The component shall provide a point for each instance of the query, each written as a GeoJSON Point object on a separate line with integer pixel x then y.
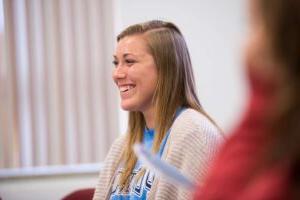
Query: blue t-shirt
{"type": "Point", "coordinates": [138, 189]}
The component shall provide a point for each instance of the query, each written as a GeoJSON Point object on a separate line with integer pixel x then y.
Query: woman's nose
{"type": "Point", "coordinates": [119, 73]}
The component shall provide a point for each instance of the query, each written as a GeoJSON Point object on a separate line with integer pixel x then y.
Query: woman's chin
{"type": "Point", "coordinates": [127, 107]}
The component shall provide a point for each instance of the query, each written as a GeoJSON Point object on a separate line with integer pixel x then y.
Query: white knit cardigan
{"type": "Point", "coordinates": [192, 143]}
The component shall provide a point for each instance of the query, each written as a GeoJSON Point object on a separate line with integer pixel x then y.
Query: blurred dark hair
{"type": "Point", "coordinates": [282, 22]}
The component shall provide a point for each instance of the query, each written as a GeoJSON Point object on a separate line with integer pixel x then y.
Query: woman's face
{"type": "Point", "coordinates": [135, 73]}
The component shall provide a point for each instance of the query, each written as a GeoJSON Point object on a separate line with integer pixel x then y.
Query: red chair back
{"type": "Point", "coordinates": [82, 194]}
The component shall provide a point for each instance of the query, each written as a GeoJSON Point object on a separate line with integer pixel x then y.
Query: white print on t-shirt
{"type": "Point", "coordinates": [136, 187]}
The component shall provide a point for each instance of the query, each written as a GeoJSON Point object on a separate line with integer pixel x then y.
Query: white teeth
{"type": "Point", "coordinates": [125, 88]}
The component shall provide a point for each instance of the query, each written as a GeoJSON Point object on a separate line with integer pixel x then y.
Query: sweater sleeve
{"type": "Point", "coordinates": [192, 144]}
{"type": "Point", "coordinates": [108, 169]}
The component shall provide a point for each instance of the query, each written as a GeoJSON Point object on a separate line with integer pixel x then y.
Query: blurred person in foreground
{"type": "Point", "coordinates": [261, 160]}
{"type": "Point", "coordinates": [154, 75]}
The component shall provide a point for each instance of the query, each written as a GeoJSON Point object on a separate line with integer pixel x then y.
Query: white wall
{"type": "Point", "coordinates": [44, 187]}
{"type": "Point", "coordinates": [214, 32]}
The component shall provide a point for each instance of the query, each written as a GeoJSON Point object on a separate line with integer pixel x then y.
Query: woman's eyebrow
{"type": "Point", "coordinates": [126, 55]}
{"type": "Point", "coordinates": [129, 54]}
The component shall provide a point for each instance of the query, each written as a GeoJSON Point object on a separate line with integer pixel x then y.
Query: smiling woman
{"type": "Point", "coordinates": [154, 75]}
{"type": "Point", "coordinates": [135, 75]}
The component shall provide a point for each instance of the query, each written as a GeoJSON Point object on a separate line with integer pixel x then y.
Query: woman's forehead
{"type": "Point", "coordinates": [135, 44]}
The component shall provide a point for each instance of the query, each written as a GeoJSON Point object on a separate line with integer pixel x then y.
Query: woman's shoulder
{"type": "Point", "coordinates": [119, 140]}
{"type": "Point", "coordinates": [193, 122]}
{"type": "Point", "coordinates": [192, 143]}
{"type": "Point", "coordinates": [116, 149]}
{"type": "Point", "coordinates": [113, 156]}
{"type": "Point", "coordinates": [118, 143]}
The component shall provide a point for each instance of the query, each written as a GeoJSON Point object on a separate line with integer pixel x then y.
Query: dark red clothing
{"type": "Point", "coordinates": [234, 174]}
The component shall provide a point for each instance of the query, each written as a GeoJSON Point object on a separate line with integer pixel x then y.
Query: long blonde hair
{"type": "Point", "coordinates": [175, 86]}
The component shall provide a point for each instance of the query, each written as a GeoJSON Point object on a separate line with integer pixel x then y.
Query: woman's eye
{"type": "Point", "coordinates": [115, 63]}
{"type": "Point", "coordinates": [129, 61]}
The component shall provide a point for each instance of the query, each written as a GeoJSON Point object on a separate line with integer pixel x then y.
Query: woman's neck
{"type": "Point", "coordinates": [149, 117]}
